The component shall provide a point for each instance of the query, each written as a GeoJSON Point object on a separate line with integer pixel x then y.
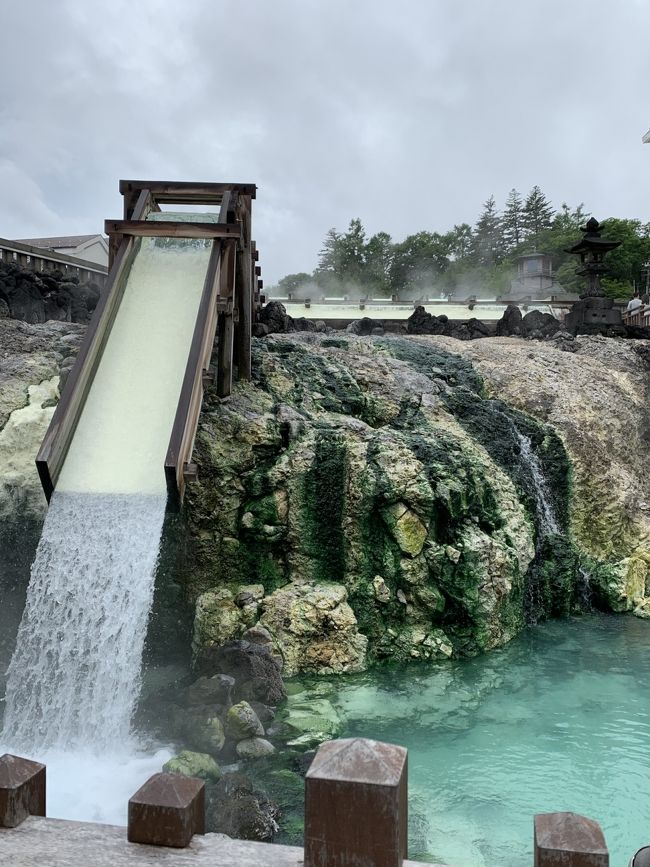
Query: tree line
{"type": "Point", "coordinates": [473, 258]}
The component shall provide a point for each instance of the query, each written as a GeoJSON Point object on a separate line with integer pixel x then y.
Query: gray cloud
{"type": "Point", "coordinates": [407, 114]}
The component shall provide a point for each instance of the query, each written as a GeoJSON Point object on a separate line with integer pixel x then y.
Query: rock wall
{"type": "Point", "coordinates": [366, 499]}
{"type": "Point", "coordinates": [44, 297]}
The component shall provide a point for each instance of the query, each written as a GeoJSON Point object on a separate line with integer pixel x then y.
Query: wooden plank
{"type": "Point", "coordinates": [186, 192]}
{"type": "Point", "coordinates": [171, 229]}
{"type": "Point", "coordinates": [244, 295]}
{"type": "Point", "coordinates": [183, 431]}
{"type": "Point", "coordinates": [56, 443]}
{"type": "Point", "coordinates": [225, 326]}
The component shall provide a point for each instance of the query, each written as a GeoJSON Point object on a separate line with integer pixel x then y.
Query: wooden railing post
{"type": "Point", "coordinates": [569, 840]}
{"type": "Point", "coordinates": [167, 811]}
{"type": "Point", "coordinates": [22, 790]}
{"type": "Point", "coordinates": [356, 805]}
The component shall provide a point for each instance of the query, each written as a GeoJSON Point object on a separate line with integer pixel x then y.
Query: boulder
{"type": "Point", "coordinates": [203, 731]}
{"type": "Point", "coordinates": [242, 722]}
{"type": "Point", "coordinates": [192, 764]}
{"type": "Point", "coordinates": [254, 748]}
{"type": "Point", "coordinates": [234, 808]}
{"type": "Point", "coordinates": [539, 324]}
{"type": "Point", "coordinates": [217, 618]}
{"type": "Point", "coordinates": [215, 690]}
{"type": "Point", "coordinates": [257, 674]}
{"type": "Point", "coordinates": [275, 318]}
{"type": "Point", "coordinates": [315, 628]}
{"type": "Point", "coordinates": [365, 326]}
{"type": "Point", "coordinates": [422, 322]}
{"type": "Point", "coordinates": [510, 324]}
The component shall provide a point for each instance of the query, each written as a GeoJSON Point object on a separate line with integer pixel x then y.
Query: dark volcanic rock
{"type": "Point", "coordinates": [273, 319]}
{"type": "Point", "coordinates": [256, 672]}
{"type": "Point", "coordinates": [539, 324]}
{"type": "Point", "coordinates": [236, 809]}
{"type": "Point", "coordinates": [510, 324]}
{"type": "Point", "coordinates": [364, 327]}
{"type": "Point", "coordinates": [422, 322]}
{"type": "Point", "coordinates": [38, 298]}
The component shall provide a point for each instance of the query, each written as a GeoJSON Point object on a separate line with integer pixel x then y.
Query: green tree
{"type": "Point", "coordinates": [293, 282]}
{"type": "Point", "coordinates": [537, 214]}
{"type": "Point", "coordinates": [512, 222]}
{"type": "Point", "coordinates": [487, 239]}
{"type": "Point", "coordinates": [460, 241]}
{"type": "Point", "coordinates": [379, 256]}
{"type": "Point", "coordinates": [329, 258]}
{"type": "Point", "coordinates": [419, 261]}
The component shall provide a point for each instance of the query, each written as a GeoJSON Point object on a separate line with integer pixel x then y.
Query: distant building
{"type": "Point", "coordinates": [92, 248]}
{"type": "Point", "coordinates": [534, 277]}
{"type": "Point", "coordinates": [646, 138]}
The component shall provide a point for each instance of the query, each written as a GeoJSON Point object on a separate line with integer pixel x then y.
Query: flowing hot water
{"type": "Point", "coordinates": [74, 677]}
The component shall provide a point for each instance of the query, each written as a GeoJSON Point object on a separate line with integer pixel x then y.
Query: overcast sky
{"type": "Point", "coordinates": [407, 114]}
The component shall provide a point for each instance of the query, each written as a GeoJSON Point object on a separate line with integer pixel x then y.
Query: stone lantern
{"type": "Point", "coordinates": [594, 313]}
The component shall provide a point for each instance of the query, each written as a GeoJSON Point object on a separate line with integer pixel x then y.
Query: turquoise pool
{"type": "Point", "coordinates": [557, 720]}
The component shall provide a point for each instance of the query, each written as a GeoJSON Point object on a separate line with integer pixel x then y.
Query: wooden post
{"type": "Point", "coordinates": [22, 790]}
{"type": "Point", "coordinates": [569, 840]}
{"type": "Point", "coordinates": [356, 805]}
{"type": "Point", "coordinates": [167, 811]}
{"type": "Point", "coordinates": [245, 295]}
{"type": "Point", "coordinates": [225, 324]}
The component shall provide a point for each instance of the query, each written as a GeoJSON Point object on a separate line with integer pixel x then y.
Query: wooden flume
{"type": "Point", "coordinates": [230, 299]}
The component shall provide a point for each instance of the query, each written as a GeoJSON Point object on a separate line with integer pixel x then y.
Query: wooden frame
{"type": "Point", "coordinates": [228, 305]}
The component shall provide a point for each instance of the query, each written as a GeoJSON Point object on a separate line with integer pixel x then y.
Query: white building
{"type": "Point", "coordinates": [92, 248]}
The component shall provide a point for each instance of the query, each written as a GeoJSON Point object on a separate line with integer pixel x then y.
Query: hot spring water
{"type": "Point", "coordinates": [74, 677]}
{"type": "Point", "coordinates": [559, 719]}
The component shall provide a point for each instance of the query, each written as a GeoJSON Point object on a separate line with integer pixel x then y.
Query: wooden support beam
{"type": "Point", "coordinates": [22, 790]}
{"type": "Point", "coordinates": [181, 441]}
{"type": "Point", "coordinates": [225, 324]}
{"type": "Point", "coordinates": [171, 229]}
{"type": "Point", "coordinates": [244, 293]}
{"type": "Point", "coordinates": [356, 805]}
{"type": "Point", "coordinates": [186, 192]}
{"type": "Point", "coordinates": [258, 271]}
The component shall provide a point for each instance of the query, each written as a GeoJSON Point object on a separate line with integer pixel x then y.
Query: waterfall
{"type": "Point", "coordinates": [546, 520]}
{"type": "Point", "coordinates": [74, 678]}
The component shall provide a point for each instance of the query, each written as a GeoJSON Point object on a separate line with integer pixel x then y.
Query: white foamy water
{"type": "Point", "coordinates": [122, 437]}
{"type": "Point", "coordinates": [74, 678]}
{"type": "Point", "coordinates": [547, 521]}
{"type": "Point", "coordinates": [75, 674]}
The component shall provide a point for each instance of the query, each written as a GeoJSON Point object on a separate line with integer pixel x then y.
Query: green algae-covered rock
{"type": "Point", "coordinates": [203, 731]}
{"type": "Point", "coordinates": [376, 491]}
{"type": "Point", "coordinates": [254, 748]}
{"type": "Point", "coordinates": [242, 722]}
{"type": "Point", "coordinates": [194, 765]}
{"type": "Point", "coordinates": [315, 628]}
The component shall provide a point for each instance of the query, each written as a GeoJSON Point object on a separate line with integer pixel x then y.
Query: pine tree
{"type": "Point", "coordinates": [330, 255]}
{"type": "Point", "coordinates": [537, 213]}
{"type": "Point", "coordinates": [488, 242]}
{"type": "Point", "coordinates": [511, 223]}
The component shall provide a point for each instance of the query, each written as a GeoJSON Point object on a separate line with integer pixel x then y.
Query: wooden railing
{"type": "Point", "coordinates": [43, 261]}
{"type": "Point", "coordinates": [640, 316]}
{"type": "Point", "coordinates": [227, 308]}
{"type": "Point", "coordinates": [356, 813]}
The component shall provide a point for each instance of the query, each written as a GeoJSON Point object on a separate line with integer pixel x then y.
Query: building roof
{"type": "Point", "coordinates": [56, 243]}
